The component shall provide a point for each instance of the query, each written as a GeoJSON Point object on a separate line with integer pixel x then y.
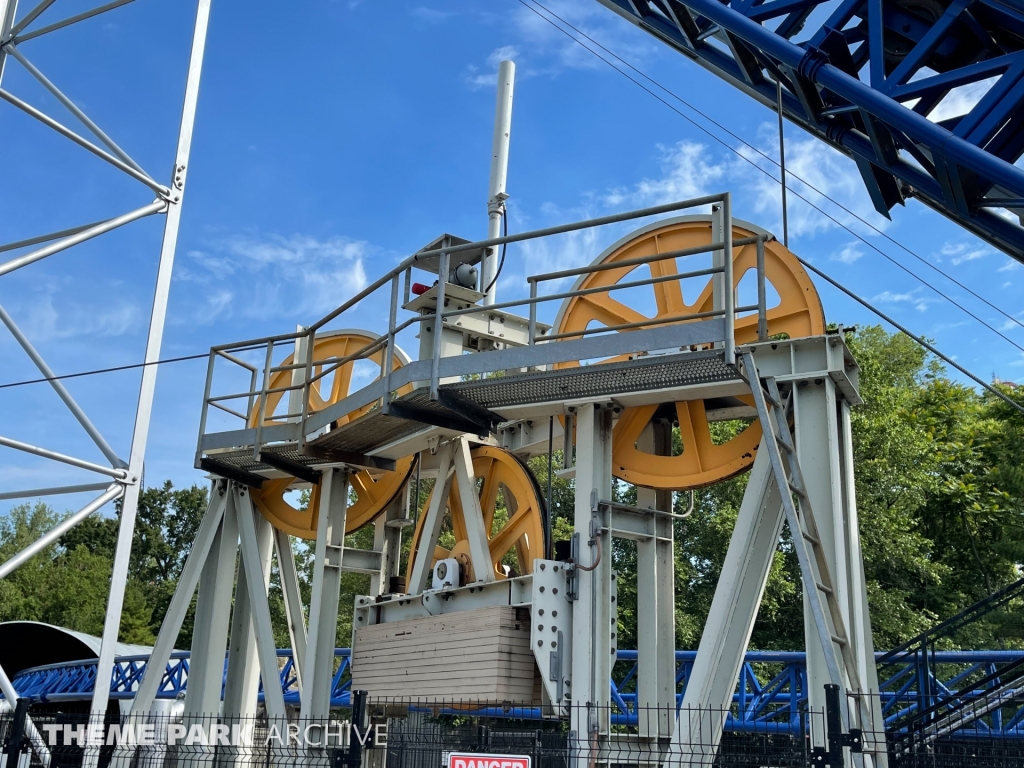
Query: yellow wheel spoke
{"type": "Point", "coordinates": [372, 496]}
{"type": "Point", "coordinates": [524, 529]}
{"type": "Point", "coordinates": [798, 314]}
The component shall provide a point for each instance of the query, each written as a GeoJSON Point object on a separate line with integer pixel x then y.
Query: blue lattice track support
{"type": "Point", "coordinates": [876, 80]}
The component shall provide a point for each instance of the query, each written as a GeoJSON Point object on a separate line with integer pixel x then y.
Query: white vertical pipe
{"type": "Point", "coordinates": [126, 531]}
{"type": "Point", "coordinates": [499, 173]}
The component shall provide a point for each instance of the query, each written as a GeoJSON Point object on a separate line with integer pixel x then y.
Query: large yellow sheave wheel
{"type": "Point", "coordinates": [505, 475]}
{"type": "Point", "coordinates": [373, 491]}
{"type": "Point", "coordinates": [798, 313]}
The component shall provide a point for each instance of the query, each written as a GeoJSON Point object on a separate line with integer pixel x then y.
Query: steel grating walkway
{"type": "Point", "coordinates": [647, 373]}
{"type": "Point", "coordinates": [475, 406]}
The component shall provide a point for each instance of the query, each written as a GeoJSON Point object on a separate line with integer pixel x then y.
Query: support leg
{"type": "Point", "coordinates": [213, 611]}
{"type": "Point", "coordinates": [323, 604]}
{"type": "Point", "coordinates": [870, 714]}
{"type": "Point", "coordinates": [205, 540]}
{"type": "Point", "coordinates": [432, 523]}
{"type": "Point", "coordinates": [387, 539]}
{"type": "Point", "coordinates": [655, 584]}
{"type": "Point", "coordinates": [476, 534]}
{"type": "Point", "coordinates": [242, 684]}
{"type": "Point", "coordinates": [292, 603]}
{"type": "Point", "coordinates": [254, 575]}
{"type": "Point", "coordinates": [734, 607]}
{"type": "Point", "coordinates": [594, 629]}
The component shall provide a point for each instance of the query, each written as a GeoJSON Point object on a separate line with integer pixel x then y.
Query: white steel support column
{"type": "Point", "coordinates": [655, 586]}
{"type": "Point", "coordinates": [213, 614]}
{"type": "Point", "coordinates": [126, 530]}
{"type": "Point", "coordinates": [816, 433]}
{"type": "Point", "coordinates": [860, 618]}
{"type": "Point", "coordinates": [424, 554]}
{"type": "Point", "coordinates": [255, 567]}
{"type": "Point", "coordinates": [734, 607]}
{"type": "Point", "coordinates": [292, 595]}
{"type": "Point", "coordinates": [476, 534]}
{"type": "Point", "coordinates": [594, 627]}
{"type": "Point", "coordinates": [323, 604]}
{"type": "Point", "coordinates": [387, 539]}
{"type": "Point", "coordinates": [243, 677]}
{"type": "Point", "coordinates": [206, 540]}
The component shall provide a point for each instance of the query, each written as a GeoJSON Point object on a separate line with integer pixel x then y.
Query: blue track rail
{"type": "Point", "coordinates": [876, 79]}
{"type": "Point", "coordinates": [770, 692]}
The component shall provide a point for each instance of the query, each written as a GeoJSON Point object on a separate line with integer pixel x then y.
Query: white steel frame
{"type": "Point", "coordinates": [15, 32]}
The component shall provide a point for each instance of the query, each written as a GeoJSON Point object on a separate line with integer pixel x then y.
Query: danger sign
{"type": "Point", "coordinates": [460, 760]}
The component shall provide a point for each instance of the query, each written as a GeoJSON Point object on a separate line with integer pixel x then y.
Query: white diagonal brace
{"type": "Point", "coordinates": [59, 388]}
{"type": "Point", "coordinates": [479, 551]}
{"type": "Point", "coordinates": [72, 20]}
{"type": "Point", "coordinates": [180, 602]}
{"type": "Point", "coordinates": [55, 491]}
{"type": "Point", "coordinates": [114, 491]}
{"type": "Point", "coordinates": [63, 130]}
{"type": "Point", "coordinates": [424, 555]}
{"type": "Point", "coordinates": [258, 605]}
{"type": "Point", "coordinates": [118, 473]}
{"type": "Point", "coordinates": [31, 16]}
{"type": "Point", "coordinates": [292, 602]}
{"type": "Point", "coordinates": [86, 234]}
{"type": "Point", "coordinates": [73, 108]}
{"type": "Point", "coordinates": [11, 695]}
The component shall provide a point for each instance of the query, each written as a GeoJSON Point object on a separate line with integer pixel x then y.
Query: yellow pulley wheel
{"type": "Point", "coordinates": [370, 492]}
{"type": "Point", "coordinates": [798, 313]}
{"type": "Point", "coordinates": [506, 482]}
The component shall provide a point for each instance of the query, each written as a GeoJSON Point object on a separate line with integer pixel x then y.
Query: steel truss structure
{"type": "Point", "coordinates": [865, 75]}
{"type": "Point", "coordinates": [122, 476]}
{"type": "Point", "coordinates": [770, 703]}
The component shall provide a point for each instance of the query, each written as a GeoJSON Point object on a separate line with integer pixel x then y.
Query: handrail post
{"type": "Point", "coordinates": [532, 339]}
{"type": "Point", "coordinates": [762, 311]}
{"type": "Point", "coordinates": [435, 357]}
{"type": "Point", "coordinates": [206, 404]}
{"type": "Point", "coordinates": [261, 417]}
{"type": "Point", "coordinates": [389, 350]}
{"type": "Point", "coordinates": [727, 280]}
{"type": "Point", "coordinates": [307, 382]}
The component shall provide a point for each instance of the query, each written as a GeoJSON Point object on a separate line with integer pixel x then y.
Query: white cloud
{"type": "Point", "coordinates": [541, 50]}
{"type": "Point", "coordinates": [958, 253]}
{"type": "Point", "coordinates": [277, 275]}
{"type": "Point", "coordinates": [1009, 266]}
{"type": "Point", "coordinates": [688, 171]}
{"type": "Point", "coordinates": [431, 15]}
{"type": "Point", "coordinates": [848, 255]}
{"type": "Point", "coordinates": [822, 168]}
{"type": "Point", "coordinates": [489, 77]}
{"type": "Point", "coordinates": [914, 298]}
{"type": "Point", "coordinates": [112, 317]}
{"type": "Point", "coordinates": [961, 100]}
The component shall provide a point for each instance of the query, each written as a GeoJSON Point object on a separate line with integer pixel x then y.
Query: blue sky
{"type": "Point", "coordinates": [333, 139]}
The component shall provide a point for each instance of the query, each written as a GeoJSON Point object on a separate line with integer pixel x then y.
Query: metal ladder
{"type": "Point", "coordinates": [814, 569]}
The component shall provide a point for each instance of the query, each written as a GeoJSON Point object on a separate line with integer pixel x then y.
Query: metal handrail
{"type": "Point", "coordinates": [304, 356]}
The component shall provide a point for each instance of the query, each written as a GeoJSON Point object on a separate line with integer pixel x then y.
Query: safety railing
{"type": "Point", "coordinates": [294, 378]}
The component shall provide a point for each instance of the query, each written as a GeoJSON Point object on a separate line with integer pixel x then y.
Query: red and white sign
{"type": "Point", "coordinates": [475, 760]}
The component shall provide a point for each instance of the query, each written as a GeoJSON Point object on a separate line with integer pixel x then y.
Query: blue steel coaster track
{"type": "Point", "coordinates": [864, 76]}
{"type": "Point", "coordinates": [770, 695]}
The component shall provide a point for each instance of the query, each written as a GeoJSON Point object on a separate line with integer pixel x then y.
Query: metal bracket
{"type": "Point", "coordinates": [349, 457]}
{"type": "Point", "coordinates": [230, 473]}
{"type": "Point", "coordinates": [294, 468]}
